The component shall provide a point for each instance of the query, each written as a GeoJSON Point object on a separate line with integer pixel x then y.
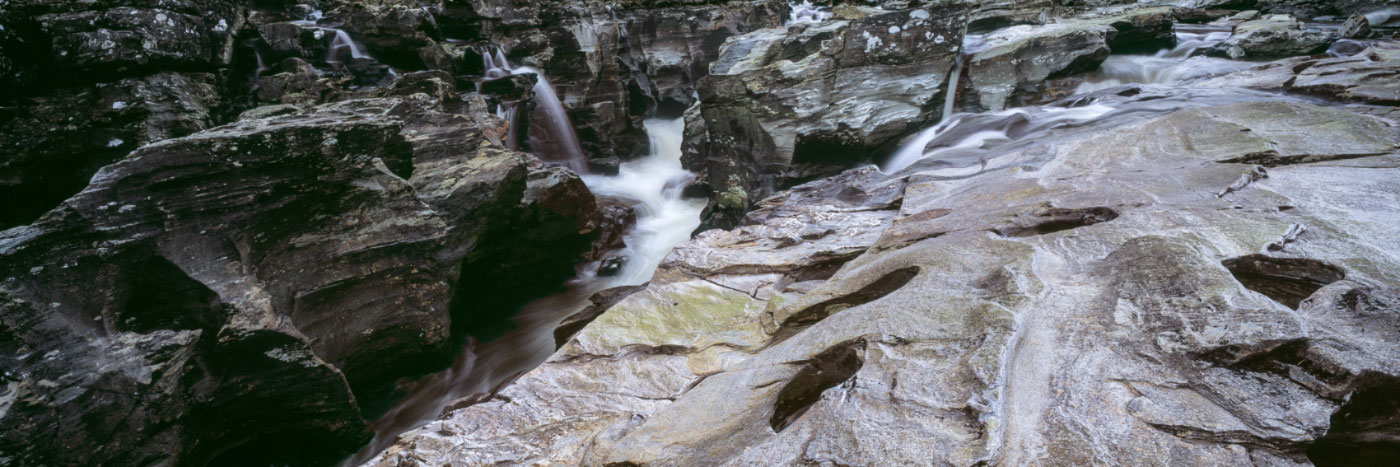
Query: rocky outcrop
{"type": "Point", "coordinates": [243, 294]}
{"type": "Point", "coordinates": [156, 72]}
{"type": "Point", "coordinates": [784, 105]}
{"type": "Point", "coordinates": [1213, 291]}
{"type": "Point", "coordinates": [613, 63]}
{"type": "Point", "coordinates": [1273, 36]}
{"type": "Point", "coordinates": [1367, 77]}
{"type": "Point", "coordinates": [1009, 67]}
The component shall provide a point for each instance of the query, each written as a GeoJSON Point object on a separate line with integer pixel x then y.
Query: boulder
{"type": "Point", "coordinates": [1273, 36]}
{"type": "Point", "coordinates": [1009, 67]}
{"type": "Point", "coordinates": [1004, 315]}
{"type": "Point", "coordinates": [781, 101]}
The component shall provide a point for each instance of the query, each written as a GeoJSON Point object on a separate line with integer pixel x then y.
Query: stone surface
{"type": "Point", "coordinates": [241, 294]}
{"type": "Point", "coordinates": [1273, 36]}
{"type": "Point", "coordinates": [1215, 299]}
{"type": "Point", "coordinates": [785, 105]}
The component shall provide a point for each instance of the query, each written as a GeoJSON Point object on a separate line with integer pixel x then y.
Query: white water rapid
{"type": "Point", "coordinates": [652, 185]}
{"type": "Point", "coordinates": [806, 12]}
{"type": "Point", "coordinates": [1168, 65]}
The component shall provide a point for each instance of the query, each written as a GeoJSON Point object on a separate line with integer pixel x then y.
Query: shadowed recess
{"type": "Point", "coordinates": [811, 315]}
{"type": "Point", "coordinates": [1286, 280]}
{"type": "Point", "coordinates": [1058, 219]}
{"type": "Point", "coordinates": [832, 367]}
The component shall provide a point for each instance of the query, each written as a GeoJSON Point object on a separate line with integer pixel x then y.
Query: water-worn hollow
{"type": "Point", "coordinates": [1059, 219]}
{"type": "Point", "coordinates": [874, 291]}
{"type": "Point", "coordinates": [1286, 280]}
{"type": "Point", "coordinates": [826, 370]}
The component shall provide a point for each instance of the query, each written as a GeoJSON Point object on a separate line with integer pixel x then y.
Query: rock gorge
{"type": "Point", "coordinates": [863, 232]}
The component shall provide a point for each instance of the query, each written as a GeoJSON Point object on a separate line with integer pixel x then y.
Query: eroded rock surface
{"type": "Point", "coordinates": [238, 295]}
{"type": "Point", "coordinates": [1215, 299]}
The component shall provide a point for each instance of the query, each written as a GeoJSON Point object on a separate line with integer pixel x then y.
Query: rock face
{"type": "Point", "coordinates": [1367, 76]}
{"type": "Point", "coordinates": [1274, 36]}
{"type": "Point", "coordinates": [1212, 301]}
{"type": "Point", "coordinates": [1009, 67]}
{"type": "Point", "coordinates": [613, 63]}
{"type": "Point", "coordinates": [785, 104]}
{"type": "Point", "coordinates": [155, 68]}
{"type": "Point", "coordinates": [238, 295]}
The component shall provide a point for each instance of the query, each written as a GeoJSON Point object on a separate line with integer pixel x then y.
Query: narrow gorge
{"type": "Point", "coordinates": [699, 232]}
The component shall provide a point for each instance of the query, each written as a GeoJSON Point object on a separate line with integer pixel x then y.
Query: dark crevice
{"type": "Point", "coordinates": [883, 286]}
{"type": "Point", "coordinates": [1057, 219]}
{"type": "Point", "coordinates": [1286, 280]}
{"type": "Point", "coordinates": [1366, 430]}
{"type": "Point", "coordinates": [826, 370]}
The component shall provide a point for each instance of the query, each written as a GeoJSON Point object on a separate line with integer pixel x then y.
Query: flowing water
{"type": "Point", "coordinates": [1126, 87]}
{"type": "Point", "coordinates": [806, 12]}
{"type": "Point", "coordinates": [552, 135]}
{"type": "Point", "coordinates": [652, 186]}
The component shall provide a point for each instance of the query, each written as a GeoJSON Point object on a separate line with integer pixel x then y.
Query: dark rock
{"type": "Point", "coordinates": [259, 284]}
{"type": "Point", "coordinates": [510, 88]}
{"type": "Point", "coordinates": [56, 142]}
{"type": "Point", "coordinates": [611, 266]}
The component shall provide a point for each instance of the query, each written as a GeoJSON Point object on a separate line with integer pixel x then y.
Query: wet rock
{"type": "Point", "coordinates": [243, 294]}
{"type": "Point", "coordinates": [877, 319]}
{"type": "Point", "coordinates": [613, 63]}
{"type": "Point", "coordinates": [1009, 67]}
{"type": "Point", "coordinates": [824, 94]}
{"type": "Point", "coordinates": [1273, 36]}
{"type": "Point", "coordinates": [55, 142]}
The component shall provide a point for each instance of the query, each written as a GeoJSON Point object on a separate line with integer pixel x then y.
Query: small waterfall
{"type": "Point", "coordinates": [1383, 18]}
{"type": "Point", "coordinates": [973, 134]}
{"type": "Point", "coordinates": [806, 12]}
{"type": "Point", "coordinates": [1167, 66]}
{"type": "Point", "coordinates": [950, 100]}
{"type": "Point", "coordinates": [652, 185]}
{"type": "Point", "coordinates": [552, 135]}
{"type": "Point", "coordinates": [262, 67]}
{"type": "Point", "coordinates": [340, 44]}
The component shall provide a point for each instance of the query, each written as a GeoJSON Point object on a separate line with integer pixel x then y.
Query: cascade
{"type": "Point", "coordinates": [552, 135]}
{"type": "Point", "coordinates": [341, 43]}
{"type": "Point", "coordinates": [652, 186]}
{"type": "Point", "coordinates": [806, 12]}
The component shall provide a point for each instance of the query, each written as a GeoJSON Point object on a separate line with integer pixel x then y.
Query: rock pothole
{"type": "Point", "coordinates": [826, 370]}
{"type": "Point", "coordinates": [881, 287]}
{"type": "Point", "coordinates": [1286, 280]}
{"type": "Point", "coordinates": [1053, 220]}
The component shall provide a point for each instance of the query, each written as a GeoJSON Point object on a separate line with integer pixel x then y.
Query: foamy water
{"type": "Point", "coordinates": [652, 186]}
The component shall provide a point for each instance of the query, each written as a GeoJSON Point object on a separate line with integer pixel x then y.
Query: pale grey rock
{"type": "Point", "coordinates": [1273, 36]}
{"type": "Point", "coordinates": [1226, 289]}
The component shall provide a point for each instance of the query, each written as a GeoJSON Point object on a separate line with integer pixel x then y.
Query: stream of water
{"type": "Point", "coordinates": [652, 187]}
{"type": "Point", "coordinates": [962, 144]}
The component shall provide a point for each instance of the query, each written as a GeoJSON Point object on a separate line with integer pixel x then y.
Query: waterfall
{"type": "Point", "coordinates": [552, 135]}
{"type": "Point", "coordinates": [950, 100]}
{"type": "Point", "coordinates": [262, 67]}
{"type": "Point", "coordinates": [651, 185]}
{"type": "Point", "coordinates": [341, 43]}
